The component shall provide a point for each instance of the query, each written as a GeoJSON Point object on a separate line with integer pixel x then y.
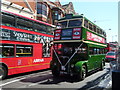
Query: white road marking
{"type": "Point", "coordinates": [42, 73]}
{"type": "Point", "coordinates": [11, 82]}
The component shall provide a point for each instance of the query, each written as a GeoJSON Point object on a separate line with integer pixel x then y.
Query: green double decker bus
{"type": "Point", "coordinates": [78, 47]}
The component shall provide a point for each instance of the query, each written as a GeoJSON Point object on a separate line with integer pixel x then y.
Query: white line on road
{"type": "Point", "coordinates": [43, 73]}
{"type": "Point", "coordinates": [11, 82]}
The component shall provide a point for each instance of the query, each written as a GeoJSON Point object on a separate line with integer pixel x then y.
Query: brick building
{"type": "Point", "coordinates": [43, 10]}
{"type": "Point", "coordinates": [69, 8]}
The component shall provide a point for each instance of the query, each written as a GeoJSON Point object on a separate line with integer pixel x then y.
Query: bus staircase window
{"type": "Point", "coordinates": [69, 58]}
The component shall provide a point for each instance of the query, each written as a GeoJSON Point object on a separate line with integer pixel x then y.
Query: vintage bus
{"type": "Point", "coordinates": [78, 47]}
{"type": "Point", "coordinates": [25, 44]}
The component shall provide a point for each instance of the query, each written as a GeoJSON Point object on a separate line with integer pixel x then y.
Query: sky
{"type": "Point", "coordinates": [104, 12]}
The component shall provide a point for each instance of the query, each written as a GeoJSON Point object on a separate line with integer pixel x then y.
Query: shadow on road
{"type": "Point", "coordinates": [49, 79]}
{"type": "Point", "coordinates": [24, 74]}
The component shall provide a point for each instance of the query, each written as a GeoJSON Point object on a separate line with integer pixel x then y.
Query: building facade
{"type": "Point", "coordinates": [43, 10]}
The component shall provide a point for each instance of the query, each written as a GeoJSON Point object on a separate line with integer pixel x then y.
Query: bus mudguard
{"type": "Point", "coordinates": [79, 64]}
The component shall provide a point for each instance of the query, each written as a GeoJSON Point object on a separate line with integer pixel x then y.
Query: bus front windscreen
{"type": "Point", "coordinates": [63, 24]}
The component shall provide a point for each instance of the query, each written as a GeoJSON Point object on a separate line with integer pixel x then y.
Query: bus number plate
{"type": "Point", "coordinates": [63, 68]}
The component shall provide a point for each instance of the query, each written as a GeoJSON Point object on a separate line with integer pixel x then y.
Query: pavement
{"type": "Point", "coordinates": [105, 83]}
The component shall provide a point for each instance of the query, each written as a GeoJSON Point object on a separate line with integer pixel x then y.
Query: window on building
{"type": "Point", "coordinates": [41, 9]}
{"type": "Point", "coordinates": [56, 14]}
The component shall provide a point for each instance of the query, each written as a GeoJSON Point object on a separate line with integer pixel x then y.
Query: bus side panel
{"type": "Point", "coordinates": [37, 50]}
{"type": "Point", "coordinates": [27, 64]}
{"type": "Point", "coordinates": [95, 61]}
{"type": "Point", "coordinates": [91, 62]}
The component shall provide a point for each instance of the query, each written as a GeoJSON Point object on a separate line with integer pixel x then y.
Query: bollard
{"type": "Point", "coordinates": [116, 80]}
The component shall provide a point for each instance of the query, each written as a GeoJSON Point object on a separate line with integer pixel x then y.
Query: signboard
{"type": "Point", "coordinates": [66, 34]}
{"type": "Point", "coordinates": [27, 37]}
{"type": "Point", "coordinates": [57, 35]}
{"type": "Point", "coordinates": [93, 37]}
{"type": "Point", "coordinates": [76, 33]}
{"type": "Point", "coordinates": [22, 36]}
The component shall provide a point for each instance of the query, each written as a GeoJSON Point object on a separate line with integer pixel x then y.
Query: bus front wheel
{"type": "Point", "coordinates": [3, 72]}
{"type": "Point", "coordinates": [83, 73]}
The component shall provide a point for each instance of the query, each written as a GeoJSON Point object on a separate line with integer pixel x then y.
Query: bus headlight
{"type": "Point", "coordinates": [72, 65]}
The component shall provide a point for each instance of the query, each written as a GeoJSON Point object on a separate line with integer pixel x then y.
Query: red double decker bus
{"type": "Point", "coordinates": [112, 47]}
{"type": "Point", "coordinates": [25, 44]}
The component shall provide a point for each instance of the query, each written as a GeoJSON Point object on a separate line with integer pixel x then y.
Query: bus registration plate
{"type": "Point", "coordinates": [63, 68]}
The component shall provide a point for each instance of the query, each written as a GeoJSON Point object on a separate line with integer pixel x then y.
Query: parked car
{"type": "Point", "coordinates": [110, 56]}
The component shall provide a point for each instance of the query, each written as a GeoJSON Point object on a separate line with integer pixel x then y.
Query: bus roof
{"type": "Point", "coordinates": [72, 16]}
{"type": "Point", "coordinates": [28, 18]}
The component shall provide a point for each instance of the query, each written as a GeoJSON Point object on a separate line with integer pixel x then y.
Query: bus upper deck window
{"type": "Point", "coordinates": [8, 20]}
{"type": "Point", "coordinates": [73, 23]}
{"type": "Point", "coordinates": [62, 24]}
{"type": "Point", "coordinates": [90, 26]}
{"type": "Point", "coordinates": [86, 23]}
{"type": "Point", "coordinates": [94, 28]}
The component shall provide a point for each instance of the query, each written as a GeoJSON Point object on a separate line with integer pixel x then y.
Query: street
{"type": "Point", "coordinates": [44, 79]}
